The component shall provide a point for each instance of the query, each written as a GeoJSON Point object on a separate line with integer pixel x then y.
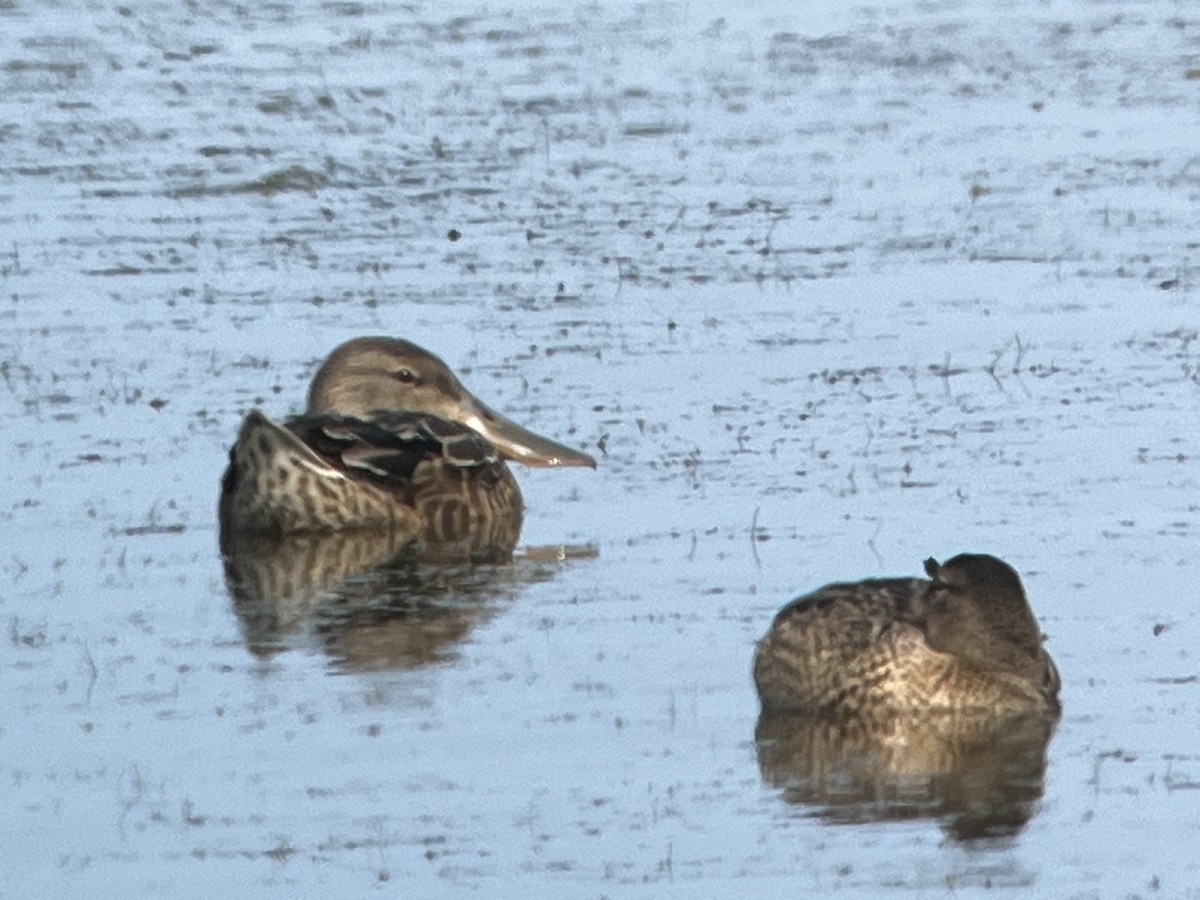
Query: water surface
{"type": "Point", "coordinates": [826, 294]}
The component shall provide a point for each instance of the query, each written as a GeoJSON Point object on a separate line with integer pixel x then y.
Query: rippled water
{"type": "Point", "coordinates": [827, 293]}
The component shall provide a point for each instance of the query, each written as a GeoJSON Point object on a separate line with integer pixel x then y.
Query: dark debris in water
{"type": "Point", "coordinates": [143, 530]}
{"type": "Point", "coordinates": [295, 178]}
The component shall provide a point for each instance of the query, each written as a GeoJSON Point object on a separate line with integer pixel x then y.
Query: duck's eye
{"type": "Point", "coordinates": [404, 376]}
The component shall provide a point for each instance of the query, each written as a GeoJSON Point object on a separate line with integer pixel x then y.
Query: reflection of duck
{"type": "Point", "coordinates": [980, 774]}
{"type": "Point", "coordinates": [964, 641]}
{"type": "Point", "coordinates": [277, 583]}
{"type": "Point", "coordinates": [366, 597]}
{"type": "Point", "coordinates": [390, 439]}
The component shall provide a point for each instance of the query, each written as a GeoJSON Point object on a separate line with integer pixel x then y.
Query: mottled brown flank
{"type": "Point", "coordinates": [866, 645]}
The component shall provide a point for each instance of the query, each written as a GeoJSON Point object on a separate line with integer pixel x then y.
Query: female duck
{"type": "Point", "coordinates": [965, 640]}
{"type": "Point", "coordinates": [392, 439]}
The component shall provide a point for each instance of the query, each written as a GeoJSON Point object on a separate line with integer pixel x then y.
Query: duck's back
{"type": "Point", "coordinates": [830, 648]}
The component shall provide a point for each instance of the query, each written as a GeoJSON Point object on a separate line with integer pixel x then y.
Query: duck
{"type": "Point", "coordinates": [390, 439]}
{"type": "Point", "coordinates": [963, 640]}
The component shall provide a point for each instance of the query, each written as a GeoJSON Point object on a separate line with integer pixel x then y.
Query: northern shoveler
{"type": "Point", "coordinates": [964, 640]}
{"type": "Point", "coordinates": [390, 439]}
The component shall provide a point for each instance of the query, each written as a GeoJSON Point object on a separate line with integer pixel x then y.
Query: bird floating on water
{"type": "Point", "coordinates": [965, 640]}
{"type": "Point", "coordinates": [390, 439]}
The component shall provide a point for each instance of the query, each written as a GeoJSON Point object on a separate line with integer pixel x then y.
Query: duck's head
{"type": "Point", "coordinates": [369, 374]}
{"type": "Point", "coordinates": [976, 607]}
{"type": "Point", "coordinates": [977, 572]}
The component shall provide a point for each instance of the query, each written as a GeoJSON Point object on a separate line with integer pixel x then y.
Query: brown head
{"type": "Point", "coordinates": [369, 374]}
{"type": "Point", "coordinates": [976, 609]}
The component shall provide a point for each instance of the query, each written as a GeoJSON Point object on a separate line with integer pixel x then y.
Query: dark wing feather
{"type": "Point", "coordinates": [389, 447]}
